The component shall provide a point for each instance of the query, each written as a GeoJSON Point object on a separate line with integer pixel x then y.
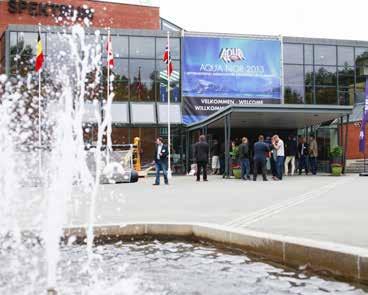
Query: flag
{"type": "Point", "coordinates": [364, 120]}
{"type": "Point", "coordinates": [39, 56]}
{"type": "Point", "coordinates": [110, 55]}
{"type": "Point", "coordinates": [139, 85]}
{"type": "Point", "coordinates": [167, 60]}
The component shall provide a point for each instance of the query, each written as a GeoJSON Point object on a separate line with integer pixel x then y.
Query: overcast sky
{"type": "Point", "coordinates": [338, 19]}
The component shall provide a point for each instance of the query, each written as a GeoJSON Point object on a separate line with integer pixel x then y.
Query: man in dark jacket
{"type": "Point", "coordinates": [160, 156]}
{"type": "Point", "coordinates": [303, 152]}
{"type": "Point", "coordinates": [260, 151]}
{"type": "Point", "coordinates": [244, 159]}
{"type": "Point", "coordinates": [291, 150]}
{"type": "Point", "coordinates": [201, 151]}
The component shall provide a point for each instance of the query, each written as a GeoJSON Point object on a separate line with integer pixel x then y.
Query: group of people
{"type": "Point", "coordinates": [271, 150]}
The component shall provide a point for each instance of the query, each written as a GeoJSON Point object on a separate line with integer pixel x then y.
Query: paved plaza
{"type": "Point", "coordinates": [322, 208]}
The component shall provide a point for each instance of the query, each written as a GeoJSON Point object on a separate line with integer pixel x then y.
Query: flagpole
{"type": "Point", "coordinates": [108, 85]}
{"type": "Point", "coordinates": [39, 118]}
{"type": "Point", "coordinates": [169, 173]}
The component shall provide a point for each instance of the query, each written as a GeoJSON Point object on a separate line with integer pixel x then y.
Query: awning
{"type": "Point", "coordinates": [273, 116]}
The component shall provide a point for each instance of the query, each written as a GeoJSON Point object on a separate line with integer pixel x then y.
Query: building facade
{"type": "Point", "coordinates": [315, 71]}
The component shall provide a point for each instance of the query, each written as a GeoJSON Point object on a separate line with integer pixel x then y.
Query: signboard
{"type": "Point", "coordinates": [222, 71]}
{"type": "Point", "coordinates": [153, 3]}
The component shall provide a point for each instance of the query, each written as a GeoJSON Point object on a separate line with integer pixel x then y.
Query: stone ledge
{"type": "Point", "coordinates": [348, 263]}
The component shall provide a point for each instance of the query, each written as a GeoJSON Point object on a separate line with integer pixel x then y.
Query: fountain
{"type": "Point", "coordinates": [37, 180]}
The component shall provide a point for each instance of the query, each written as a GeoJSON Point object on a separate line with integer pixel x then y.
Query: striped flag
{"type": "Point", "coordinates": [167, 60]}
{"type": "Point", "coordinates": [110, 55]}
{"type": "Point", "coordinates": [362, 135]}
{"type": "Point", "coordinates": [39, 57]}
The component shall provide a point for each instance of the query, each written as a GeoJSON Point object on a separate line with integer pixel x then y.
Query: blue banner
{"type": "Point", "coordinates": [222, 71]}
{"type": "Point", "coordinates": [362, 135]}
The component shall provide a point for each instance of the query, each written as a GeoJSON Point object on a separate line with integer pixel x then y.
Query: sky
{"type": "Point", "coordinates": [336, 19]}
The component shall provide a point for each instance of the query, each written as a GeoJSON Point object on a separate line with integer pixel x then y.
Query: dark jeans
{"type": "Point", "coordinates": [273, 166]}
{"type": "Point", "coordinates": [161, 165]}
{"type": "Point", "coordinates": [280, 166]}
{"type": "Point", "coordinates": [245, 168]}
{"type": "Point", "coordinates": [201, 165]}
{"type": "Point", "coordinates": [313, 165]}
{"type": "Point", "coordinates": [222, 165]}
{"type": "Point", "coordinates": [303, 164]}
{"type": "Point", "coordinates": [259, 164]}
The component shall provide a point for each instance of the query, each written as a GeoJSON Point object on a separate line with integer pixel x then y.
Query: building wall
{"type": "Point", "coordinates": [352, 152]}
{"type": "Point", "coordinates": [114, 15]}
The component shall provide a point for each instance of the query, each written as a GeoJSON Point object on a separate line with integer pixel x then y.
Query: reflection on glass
{"type": "Point", "coordinates": [346, 77]}
{"type": "Point", "coordinates": [325, 55]}
{"type": "Point", "coordinates": [294, 94]}
{"type": "Point", "coordinates": [325, 76]}
{"type": "Point", "coordinates": [345, 56]}
{"type": "Point", "coordinates": [143, 47]}
{"type": "Point", "coordinates": [308, 54]}
{"type": "Point", "coordinates": [309, 99]}
{"type": "Point", "coordinates": [174, 47]}
{"type": "Point", "coordinates": [293, 53]}
{"type": "Point", "coordinates": [326, 95]}
{"type": "Point", "coordinates": [309, 76]}
{"type": "Point", "coordinates": [120, 135]}
{"type": "Point", "coordinates": [174, 82]}
{"type": "Point", "coordinates": [293, 75]}
{"type": "Point", "coordinates": [346, 97]}
{"type": "Point", "coordinates": [142, 80]}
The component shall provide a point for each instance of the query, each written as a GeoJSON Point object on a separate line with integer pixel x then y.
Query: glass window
{"type": "Point", "coordinates": [308, 54]}
{"type": "Point", "coordinates": [57, 44]}
{"type": "Point", "coordinates": [294, 94]}
{"type": "Point", "coordinates": [174, 47]}
{"type": "Point", "coordinates": [120, 69]}
{"type": "Point", "coordinates": [360, 85]}
{"type": "Point", "coordinates": [13, 42]}
{"type": "Point", "coordinates": [325, 76]}
{"type": "Point", "coordinates": [293, 75]}
{"type": "Point", "coordinates": [143, 47]}
{"type": "Point", "coordinates": [325, 55]}
{"type": "Point", "coordinates": [346, 77]}
{"type": "Point", "coordinates": [120, 135]}
{"type": "Point", "coordinates": [120, 46]}
{"type": "Point", "coordinates": [174, 82]}
{"type": "Point", "coordinates": [148, 137]}
{"type": "Point", "coordinates": [346, 97]}
{"type": "Point", "coordinates": [361, 60]}
{"type": "Point", "coordinates": [309, 76]}
{"type": "Point", "coordinates": [326, 95]}
{"type": "Point", "coordinates": [142, 79]}
{"type": "Point", "coordinates": [345, 55]}
{"type": "Point", "coordinates": [293, 53]}
{"type": "Point", "coordinates": [27, 42]}
{"type": "Point", "coordinates": [309, 99]}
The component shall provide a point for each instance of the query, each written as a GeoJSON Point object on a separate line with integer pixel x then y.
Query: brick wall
{"type": "Point", "coordinates": [352, 151]}
{"type": "Point", "coordinates": [114, 15]}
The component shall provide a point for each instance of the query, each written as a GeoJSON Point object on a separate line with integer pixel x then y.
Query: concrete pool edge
{"type": "Point", "coordinates": [347, 262]}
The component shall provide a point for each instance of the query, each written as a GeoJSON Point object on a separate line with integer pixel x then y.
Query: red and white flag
{"type": "Point", "coordinates": [167, 60]}
{"type": "Point", "coordinates": [110, 55]}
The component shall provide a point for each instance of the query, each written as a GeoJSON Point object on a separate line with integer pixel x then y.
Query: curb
{"type": "Point", "coordinates": [345, 262]}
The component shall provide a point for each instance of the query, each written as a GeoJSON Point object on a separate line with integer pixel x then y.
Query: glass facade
{"type": "Point", "coordinates": [313, 74]}
{"type": "Point", "coordinates": [323, 74]}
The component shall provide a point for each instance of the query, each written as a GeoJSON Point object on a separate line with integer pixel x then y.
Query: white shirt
{"type": "Point", "coordinates": [159, 148]}
{"type": "Point", "coordinates": [280, 149]}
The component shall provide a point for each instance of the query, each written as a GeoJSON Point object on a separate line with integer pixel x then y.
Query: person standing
{"type": "Point", "coordinates": [313, 154]}
{"type": "Point", "coordinates": [244, 159]}
{"type": "Point", "coordinates": [303, 150]}
{"type": "Point", "coordinates": [161, 153]}
{"type": "Point", "coordinates": [260, 150]}
{"type": "Point", "coordinates": [201, 151]}
{"type": "Point", "coordinates": [278, 144]}
{"type": "Point", "coordinates": [291, 149]}
{"type": "Point", "coordinates": [215, 161]}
